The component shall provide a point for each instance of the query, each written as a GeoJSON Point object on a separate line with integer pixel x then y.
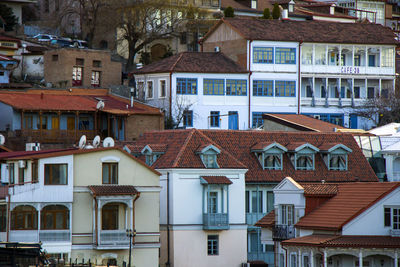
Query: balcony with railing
{"type": "Point", "coordinates": [252, 218]}
{"type": "Point", "coordinates": [113, 238]}
{"type": "Point", "coordinates": [215, 221]}
{"type": "Point", "coordinates": [54, 235]}
{"type": "Point", "coordinates": [24, 236]}
{"type": "Point", "coordinates": [283, 232]}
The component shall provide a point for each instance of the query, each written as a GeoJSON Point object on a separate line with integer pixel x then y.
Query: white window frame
{"type": "Point", "coordinates": [159, 88]}
{"type": "Point", "coordinates": [147, 89]}
{"type": "Point", "coordinates": [285, 218]}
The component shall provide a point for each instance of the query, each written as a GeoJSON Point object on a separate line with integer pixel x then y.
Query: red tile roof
{"type": "Point", "coordinates": [267, 221]}
{"type": "Point", "coordinates": [350, 201]}
{"type": "Point", "coordinates": [345, 241]}
{"type": "Point", "coordinates": [217, 179]}
{"type": "Point", "coordinates": [108, 190]}
{"type": "Point", "coordinates": [308, 31]}
{"type": "Point", "coordinates": [302, 122]}
{"type": "Point", "coordinates": [320, 189]}
{"type": "Point", "coordinates": [73, 100]}
{"type": "Point", "coordinates": [194, 62]}
{"type": "Point", "coordinates": [236, 152]}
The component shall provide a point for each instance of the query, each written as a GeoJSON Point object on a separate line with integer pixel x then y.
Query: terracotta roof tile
{"type": "Point", "coordinates": [309, 31]}
{"type": "Point", "coordinates": [267, 221]}
{"type": "Point", "coordinates": [350, 201]}
{"type": "Point", "coordinates": [74, 100]}
{"type": "Point", "coordinates": [217, 179]}
{"type": "Point", "coordinates": [327, 146]}
{"type": "Point", "coordinates": [261, 145]}
{"type": "Point", "coordinates": [107, 190]}
{"type": "Point", "coordinates": [358, 241]}
{"type": "Point", "coordinates": [236, 152]}
{"type": "Point", "coordinates": [320, 189]}
{"type": "Point", "coordinates": [292, 146]}
{"type": "Point", "coordinates": [197, 62]}
{"type": "Point", "coordinates": [302, 122]}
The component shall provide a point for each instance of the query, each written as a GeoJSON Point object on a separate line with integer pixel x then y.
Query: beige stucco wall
{"type": "Point", "coordinates": [189, 248]}
{"type": "Point", "coordinates": [274, 126]}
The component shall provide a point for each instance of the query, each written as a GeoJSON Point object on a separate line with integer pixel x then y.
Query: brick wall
{"type": "Point", "coordinates": [58, 66]}
{"type": "Point", "coordinates": [138, 124]}
{"type": "Point", "coordinates": [234, 49]}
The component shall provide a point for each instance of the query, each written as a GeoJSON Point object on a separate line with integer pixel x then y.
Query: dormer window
{"type": "Point", "coordinates": [152, 155]}
{"type": "Point", "coordinates": [336, 156]}
{"type": "Point", "coordinates": [208, 154]}
{"type": "Point", "coordinates": [302, 155]}
{"type": "Point", "coordinates": [270, 155]}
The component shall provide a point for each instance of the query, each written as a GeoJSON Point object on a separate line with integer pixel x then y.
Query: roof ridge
{"type": "Point", "coordinates": [225, 151]}
{"type": "Point", "coordinates": [182, 149]}
{"type": "Point", "coordinates": [302, 125]}
{"type": "Point", "coordinates": [176, 62]}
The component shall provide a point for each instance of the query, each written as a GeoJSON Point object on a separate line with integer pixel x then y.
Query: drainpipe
{"type": "Point", "coordinates": [286, 255]}
{"type": "Point", "coordinates": [133, 215]}
{"type": "Point", "coordinates": [170, 94]}
{"type": "Point", "coordinates": [8, 217]}
{"type": "Point", "coordinates": [250, 72]}
{"type": "Point", "coordinates": [299, 81]}
{"type": "Point", "coordinates": [168, 250]}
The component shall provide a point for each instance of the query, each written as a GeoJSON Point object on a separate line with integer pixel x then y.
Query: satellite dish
{"type": "Point", "coordinates": [96, 141]}
{"type": "Point", "coordinates": [82, 141]}
{"type": "Point", "coordinates": [100, 105]}
{"type": "Point", "coordinates": [108, 142]}
{"type": "Point", "coordinates": [2, 139]}
{"type": "Point", "coordinates": [89, 147]}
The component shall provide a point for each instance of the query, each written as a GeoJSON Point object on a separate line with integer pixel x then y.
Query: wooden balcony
{"type": "Point", "coordinates": [47, 136]}
{"type": "Point", "coordinates": [215, 221]}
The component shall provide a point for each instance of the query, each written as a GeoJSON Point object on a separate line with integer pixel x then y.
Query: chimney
{"type": "Point", "coordinates": [291, 6]}
{"type": "Point", "coordinates": [285, 14]}
{"type": "Point", "coordinates": [332, 9]}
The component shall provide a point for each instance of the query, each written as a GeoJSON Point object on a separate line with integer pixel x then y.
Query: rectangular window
{"type": "Point", "coordinates": [396, 219]}
{"type": "Point", "coordinates": [371, 92]}
{"type": "Point", "coordinates": [272, 161]}
{"type": "Point", "coordinates": [187, 118]}
{"type": "Point", "coordinates": [77, 74]}
{"type": "Point", "coordinates": [263, 55]}
{"type": "Point", "coordinates": [109, 217]}
{"type": "Point", "coordinates": [320, 55]}
{"type": "Point", "coordinates": [304, 162]}
{"type": "Point", "coordinates": [95, 80]}
{"type": "Point", "coordinates": [285, 88]}
{"type": "Point", "coordinates": [35, 172]}
{"type": "Point", "coordinates": [163, 89]}
{"type": "Point", "coordinates": [247, 201]}
{"type": "Point", "coordinates": [3, 218]}
{"type": "Point", "coordinates": [110, 173]}
{"type": "Point", "coordinates": [257, 119]}
{"type": "Point", "coordinates": [293, 260]}
{"type": "Point", "coordinates": [212, 245]}
{"type": "Point", "coordinates": [270, 201]}
{"type": "Point", "coordinates": [96, 63]}
{"type": "Point", "coordinates": [387, 213]}
{"type": "Point", "coordinates": [287, 214]}
{"type": "Point", "coordinates": [186, 86]}
{"type": "Point", "coordinates": [306, 55]}
{"type": "Point", "coordinates": [236, 87]}
{"type": "Point", "coordinates": [55, 174]}
{"type": "Point", "coordinates": [309, 91]}
{"type": "Point", "coordinates": [213, 202]}
{"type": "Point", "coordinates": [285, 56]}
{"type": "Point", "coordinates": [387, 57]}
{"type": "Point", "coordinates": [338, 162]}
{"type": "Point", "coordinates": [256, 201]}
{"type": "Point", "coordinates": [28, 121]}
{"type": "Point", "coordinates": [213, 87]}
{"type": "Point", "coordinates": [263, 88]}
{"type": "Point", "coordinates": [323, 92]}
{"type": "Point", "coordinates": [356, 92]}
{"type": "Point", "coordinates": [21, 175]}
{"type": "Point", "coordinates": [149, 89]}
{"type": "Point", "coordinates": [11, 173]}
{"type": "Point", "coordinates": [214, 118]}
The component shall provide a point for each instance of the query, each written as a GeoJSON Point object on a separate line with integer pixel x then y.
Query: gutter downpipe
{"type": "Point", "coordinates": [299, 81]}
{"type": "Point", "coordinates": [170, 95]}
{"type": "Point", "coordinates": [250, 72]}
{"type": "Point", "coordinates": [133, 215]}
{"type": "Point", "coordinates": [286, 255]}
{"type": "Point", "coordinates": [9, 217]}
{"type": "Point", "coordinates": [168, 238]}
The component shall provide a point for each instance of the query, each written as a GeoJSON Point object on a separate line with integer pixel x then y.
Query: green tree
{"type": "Point", "coordinates": [229, 12]}
{"type": "Point", "coordinates": [8, 16]}
{"type": "Point", "coordinates": [266, 14]}
{"type": "Point", "coordinates": [276, 12]}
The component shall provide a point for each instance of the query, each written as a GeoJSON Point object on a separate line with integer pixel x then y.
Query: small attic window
{"type": "Point", "coordinates": [208, 156]}
{"type": "Point", "coordinates": [303, 156]}
{"type": "Point", "coordinates": [150, 155]}
{"type": "Point", "coordinates": [336, 157]}
{"type": "Point", "coordinates": [270, 155]}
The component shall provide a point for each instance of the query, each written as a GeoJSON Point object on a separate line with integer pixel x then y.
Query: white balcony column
{"type": "Point", "coordinates": [340, 56]}
{"type": "Point", "coordinates": [396, 259]}
{"type": "Point", "coordinates": [93, 219]}
{"type": "Point", "coordinates": [352, 56]}
{"type": "Point", "coordinates": [300, 258]}
{"type": "Point", "coordinates": [360, 258]}
{"type": "Point", "coordinates": [313, 55]}
{"type": "Point", "coordinates": [126, 217]}
{"type": "Point", "coordinates": [132, 209]}
{"type": "Point", "coordinates": [394, 85]}
{"type": "Point", "coordinates": [380, 87]}
{"type": "Point", "coordinates": [366, 57]}
{"type": "Point", "coordinates": [311, 258]}
{"type": "Point", "coordinates": [325, 259]}
{"type": "Point", "coordinates": [366, 88]}
{"type": "Point", "coordinates": [98, 220]}
{"type": "Point", "coordinates": [39, 207]}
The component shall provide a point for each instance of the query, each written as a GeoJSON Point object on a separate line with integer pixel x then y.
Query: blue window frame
{"type": "Point", "coordinates": [186, 86]}
{"type": "Point", "coordinates": [214, 118]}
{"type": "Point", "coordinates": [285, 55]}
{"type": "Point", "coordinates": [187, 118]}
{"type": "Point", "coordinates": [285, 88]}
{"type": "Point", "coordinates": [236, 87]}
{"type": "Point", "coordinates": [213, 86]}
{"type": "Point", "coordinates": [263, 55]}
{"type": "Point", "coordinates": [257, 119]}
{"type": "Point", "coordinates": [263, 88]}
{"type": "Point", "coordinates": [212, 245]}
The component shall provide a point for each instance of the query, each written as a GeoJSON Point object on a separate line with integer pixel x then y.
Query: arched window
{"type": "Point", "coordinates": [24, 218]}
{"type": "Point", "coordinates": [54, 217]}
{"type": "Point", "coordinates": [109, 216]}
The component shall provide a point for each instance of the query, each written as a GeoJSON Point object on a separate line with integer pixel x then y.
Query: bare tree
{"type": "Point", "coordinates": [381, 110]}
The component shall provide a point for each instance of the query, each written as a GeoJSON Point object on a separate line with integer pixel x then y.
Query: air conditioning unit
{"type": "Point", "coordinates": [32, 146]}
{"type": "Point", "coordinates": [21, 164]}
{"type": "Point", "coordinates": [317, 117]}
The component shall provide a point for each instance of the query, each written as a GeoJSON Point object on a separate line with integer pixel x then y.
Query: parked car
{"type": "Point", "coordinates": [44, 37]}
{"type": "Point", "coordinates": [62, 42]}
{"type": "Point", "coordinates": [80, 44]}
